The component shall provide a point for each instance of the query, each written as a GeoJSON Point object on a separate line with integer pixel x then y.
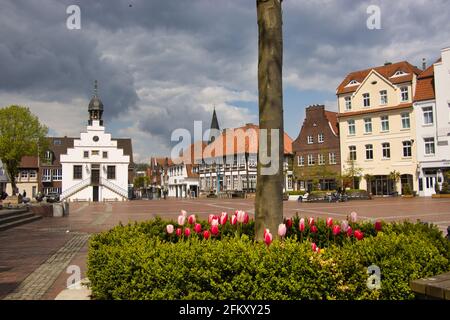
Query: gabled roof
{"type": "Point", "coordinates": [332, 119]}
{"type": "Point", "coordinates": [386, 71]}
{"type": "Point", "coordinates": [425, 85]}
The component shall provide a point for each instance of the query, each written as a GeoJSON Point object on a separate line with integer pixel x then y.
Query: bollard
{"type": "Point", "coordinates": [66, 208]}
{"type": "Point", "coordinates": [58, 210]}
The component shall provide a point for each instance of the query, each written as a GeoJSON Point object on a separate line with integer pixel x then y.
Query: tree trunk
{"type": "Point", "coordinates": [269, 189]}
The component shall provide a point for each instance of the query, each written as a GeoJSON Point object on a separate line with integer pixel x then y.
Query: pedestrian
{"type": "Point", "coordinates": [24, 194]}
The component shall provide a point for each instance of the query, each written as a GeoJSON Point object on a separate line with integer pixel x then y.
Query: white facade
{"type": "Point", "coordinates": [182, 181]}
{"type": "Point", "coordinates": [104, 168]}
{"type": "Point", "coordinates": [433, 130]}
{"type": "Point", "coordinates": [3, 178]}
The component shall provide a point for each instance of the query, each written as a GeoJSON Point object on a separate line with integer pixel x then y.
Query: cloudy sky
{"type": "Point", "coordinates": [161, 64]}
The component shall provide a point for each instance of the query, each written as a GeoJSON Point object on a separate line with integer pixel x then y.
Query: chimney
{"type": "Point", "coordinates": [387, 63]}
{"type": "Point", "coordinates": [424, 63]}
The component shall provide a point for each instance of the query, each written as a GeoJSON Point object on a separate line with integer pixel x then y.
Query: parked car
{"type": "Point", "coordinates": [52, 197]}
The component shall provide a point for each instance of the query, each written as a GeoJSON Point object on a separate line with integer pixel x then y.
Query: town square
{"type": "Point", "coordinates": [223, 152]}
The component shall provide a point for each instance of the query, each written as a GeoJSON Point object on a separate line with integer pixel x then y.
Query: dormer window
{"type": "Point", "coordinates": [48, 156]}
{"type": "Point", "coordinates": [399, 73]}
{"type": "Point", "coordinates": [352, 83]}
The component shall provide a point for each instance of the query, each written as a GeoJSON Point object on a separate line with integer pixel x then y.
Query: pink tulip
{"type": "Point", "coordinates": [215, 221]}
{"type": "Point", "coordinates": [242, 216]}
{"type": "Point", "coordinates": [336, 230]}
{"type": "Point", "coordinates": [206, 234]}
{"type": "Point", "coordinates": [179, 232]}
{"type": "Point", "coordinates": [314, 229]}
{"type": "Point", "coordinates": [183, 213]}
{"type": "Point", "coordinates": [210, 218]}
{"type": "Point", "coordinates": [344, 225]}
{"type": "Point", "coordinates": [223, 218]}
{"type": "Point", "coordinates": [187, 232]}
{"type": "Point", "coordinates": [359, 234]}
{"type": "Point", "coordinates": [169, 229]}
{"type": "Point", "coordinates": [268, 237]}
{"type": "Point", "coordinates": [349, 232]}
{"type": "Point", "coordinates": [233, 219]}
{"type": "Point", "coordinates": [314, 247]}
{"type": "Point", "coordinates": [181, 220]}
{"type": "Point", "coordinates": [215, 229]}
{"type": "Point", "coordinates": [329, 222]}
{"type": "Point", "coordinates": [311, 221]}
{"type": "Point", "coordinates": [282, 230]}
{"type": "Point", "coordinates": [198, 228]}
{"type": "Point", "coordinates": [378, 226]}
{"type": "Point", "coordinates": [353, 217]}
{"type": "Point", "coordinates": [246, 217]}
{"type": "Point", "coordinates": [301, 225]}
{"type": "Point", "coordinates": [191, 219]}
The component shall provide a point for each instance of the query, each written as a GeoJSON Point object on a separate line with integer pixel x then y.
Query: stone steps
{"type": "Point", "coordinates": [13, 218]}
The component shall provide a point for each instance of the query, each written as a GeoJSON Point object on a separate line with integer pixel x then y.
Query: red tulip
{"type": "Point", "coordinates": [191, 219]}
{"type": "Point", "coordinates": [198, 228]}
{"type": "Point", "coordinates": [289, 223]}
{"type": "Point", "coordinates": [215, 230]}
{"type": "Point", "coordinates": [265, 232]}
{"type": "Point", "coordinates": [246, 218]}
{"type": "Point", "coordinates": [268, 237]}
{"type": "Point", "coordinates": [349, 231]}
{"type": "Point", "coordinates": [378, 226]}
{"type": "Point", "coordinates": [233, 219]}
{"type": "Point", "coordinates": [315, 248]}
{"type": "Point", "coordinates": [311, 221]}
{"type": "Point", "coordinates": [314, 229]}
{"type": "Point", "coordinates": [336, 230]}
{"type": "Point", "coordinates": [359, 235]}
{"type": "Point", "coordinates": [179, 232]}
{"type": "Point", "coordinates": [329, 222]}
{"type": "Point", "coordinates": [206, 234]}
{"type": "Point", "coordinates": [301, 225]}
{"type": "Point", "coordinates": [210, 218]}
{"type": "Point", "coordinates": [223, 218]}
{"type": "Point", "coordinates": [187, 232]}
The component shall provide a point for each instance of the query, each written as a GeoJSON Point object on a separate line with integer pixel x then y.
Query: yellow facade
{"type": "Point", "coordinates": [387, 101]}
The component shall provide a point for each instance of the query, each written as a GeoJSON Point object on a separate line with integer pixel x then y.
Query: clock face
{"type": "Point", "coordinates": [95, 138]}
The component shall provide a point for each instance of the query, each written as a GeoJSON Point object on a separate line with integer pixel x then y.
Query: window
{"type": "Point", "coordinates": [33, 174]}
{"type": "Point", "coordinates": [366, 100]}
{"type": "Point", "coordinates": [320, 138]}
{"type": "Point", "coordinates": [48, 156]}
{"type": "Point", "coordinates": [348, 103]}
{"type": "Point", "coordinates": [57, 174]}
{"type": "Point", "coordinates": [111, 172]}
{"type": "Point", "coordinates": [289, 182]}
{"type": "Point", "coordinates": [353, 83]}
{"type": "Point", "coordinates": [310, 160]}
{"type": "Point", "coordinates": [404, 93]}
{"type": "Point", "coordinates": [24, 174]}
{"type": "Point", "coordinates": [95, 152]}
{"type": "Point", "coordinates": [351, 127]}
{"type": "Point", "coordinates": [77, 172]}
{"type": "Point", "coordinates": [46, 175]}
{"type": "Point", "coordinates": [301, 161]}
{"type": "Point", "coordinates": [368, 125]}
{"type": "Point", "coordinates": [352, 154]}
{"type": "Point", "coordinates": [384, 123]}
{"type": "Point", "coordinates": [407, 149]}
{"type": "Point", "coordinates": [386, 150]}
{"type": "Point", "coordinates": [310, 139]}
{"type": "Point", "coordinates": [321, 159]}
{"type": "Point", "coordinates": [105, 154]}
{"type": "Point", "coordinates": [332, 157]}
{"type": "Point", "coordinates": [399, 73]}
{"type": "Point", "coordinates": [405, 121]}
{"type": "Point", "coordinates": [429, 146]}
{"type": "Point", "coordinates": [383, 97]}
{"type": "Point", "coordinates": [369, 152]}
{"type": "Point", "coordinates": [427, 115]}
{"type": "Point", "coordinates": [57, 142]}
{"type": "Point", "coordinates": [86, 154]}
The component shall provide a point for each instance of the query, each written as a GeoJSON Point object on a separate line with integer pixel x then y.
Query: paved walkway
{"type": "Point", "coordinates": [34, 257]}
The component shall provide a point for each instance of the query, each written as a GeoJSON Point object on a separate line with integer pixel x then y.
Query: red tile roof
{"type": "Point", "coordinates": [386, 71]}
{"type": "Point", "coordinates": [425, 85]}
{"type": "Point", "coordinates": [29, 162]}
{"type": "Point", "coordinates": [332, 119]}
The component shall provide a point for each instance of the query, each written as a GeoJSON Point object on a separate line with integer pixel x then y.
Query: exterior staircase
{"type": "Point", "coordinates": [13, 218]}
{"type": "Point", "coordinates": [114, 187]}
{"type": "Point", "coordinates": [87, 182]}
{"type": "Point", "coordinates": [74, 189]}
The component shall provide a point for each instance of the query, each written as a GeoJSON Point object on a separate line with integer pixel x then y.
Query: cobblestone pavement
{"type": "Point", "coordinates": [34, 257]}
{"type": "Point", "coordinates": [40, 280]}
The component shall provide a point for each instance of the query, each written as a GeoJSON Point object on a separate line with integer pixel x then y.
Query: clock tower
{"type": "Point", "coordinates": [95, 107]}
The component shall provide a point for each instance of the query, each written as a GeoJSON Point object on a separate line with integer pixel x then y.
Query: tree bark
{"type": "Point", "coordinates": [269, 189]}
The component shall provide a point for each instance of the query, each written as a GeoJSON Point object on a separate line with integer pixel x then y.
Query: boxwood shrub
{"type": "Point", "coordinates": [141, 261]}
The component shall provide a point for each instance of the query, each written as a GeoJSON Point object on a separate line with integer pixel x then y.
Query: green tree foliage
{"type": "Point", "coordinates": [141, 182]}
{"type": "Point", "coordinates": [21, 134]}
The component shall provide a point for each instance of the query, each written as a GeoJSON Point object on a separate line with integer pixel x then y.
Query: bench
{"type": "Point", "coordinates": [432, 288]}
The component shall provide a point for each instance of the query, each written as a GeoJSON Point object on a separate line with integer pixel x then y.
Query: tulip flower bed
{"type": "Point", "coordinates": [218, 259]}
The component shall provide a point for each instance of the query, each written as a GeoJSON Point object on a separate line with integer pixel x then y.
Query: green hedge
{"type": "Point", "coordinates": [296, 193]}
{"type": "Point", "coordinates": [140, 261]}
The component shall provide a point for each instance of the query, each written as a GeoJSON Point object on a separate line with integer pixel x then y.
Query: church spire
{"type": "Point", "coordinates": [215, 129]}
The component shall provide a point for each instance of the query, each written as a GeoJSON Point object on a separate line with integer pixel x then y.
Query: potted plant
{"type": "Point", "coordinates": [407, 192]}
